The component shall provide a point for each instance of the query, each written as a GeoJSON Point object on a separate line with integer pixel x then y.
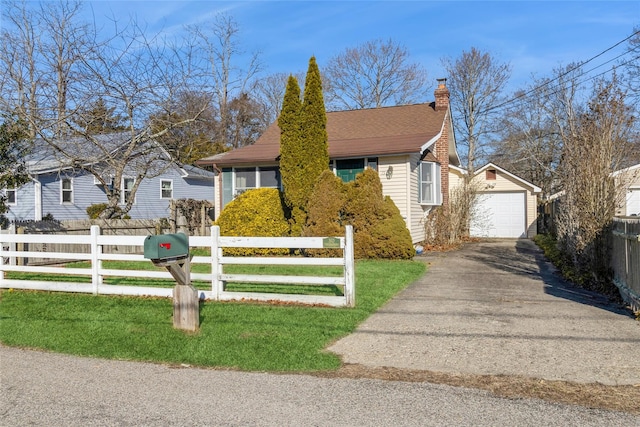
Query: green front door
{"type": "Point", "coordinates": [348, 169]}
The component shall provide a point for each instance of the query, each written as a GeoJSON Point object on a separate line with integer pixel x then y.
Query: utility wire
{"type": "Point", "coordinates": [548, 82]}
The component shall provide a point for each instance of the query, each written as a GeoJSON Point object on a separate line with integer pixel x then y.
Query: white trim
{"type": "Point", "coordinates": [37, 199]}
{"type": "Point", "coordinates": [433, 140]}
{"type": "Point", "coordinates": [15, 196]}
{"type": "Point", "coordinates": [409, 195]}
{"type": "Point", "coordinates": [122, 189]}
{"type": "Point", "coordinates": [535, 189]}
{"type": "Point", "coordinates": [62, 190]}
{"type": "Point", "coordinates": [625, 170]}
{"type": "Point", "coordinates": [459, 169]}
{"type": "Point", "coordinates": [436, 184]}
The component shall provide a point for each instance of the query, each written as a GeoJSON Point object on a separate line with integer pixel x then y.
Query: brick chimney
{"type": "Point", "coordinates": [442, 145]}
{"type": "Point", "coordinates": [442, 95]}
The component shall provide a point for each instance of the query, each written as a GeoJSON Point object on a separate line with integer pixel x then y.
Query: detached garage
{"type": "Point", "coordinates": [633, 202]}
{"type": "Point", "coordinates": [500, 215]}
{"type": "Point", "coordinates": [628, 183]}
{"type": "Point", "coordinates": [506, 206]}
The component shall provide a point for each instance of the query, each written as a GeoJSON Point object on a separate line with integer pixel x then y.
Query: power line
{"type": "Point", "coordinates": [576, 67]}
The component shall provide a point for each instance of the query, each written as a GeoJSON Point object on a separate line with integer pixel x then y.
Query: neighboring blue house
{"type": "Point", "coordinates": [65, 193]}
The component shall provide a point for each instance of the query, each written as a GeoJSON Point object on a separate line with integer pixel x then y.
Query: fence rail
{"type": "Point", "coordinates": [625, 259]}
{"type": "Point", "coordinates": [12, 249]}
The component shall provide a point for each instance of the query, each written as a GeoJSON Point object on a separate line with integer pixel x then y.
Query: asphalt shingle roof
{"type": "Point", "coordinates": [356, 133]}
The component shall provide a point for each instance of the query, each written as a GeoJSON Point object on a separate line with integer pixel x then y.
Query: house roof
{"type": "Point", "coordinates": [626, 170]}
{"type": "Point", "coordinates": [44, 158]}
{"type": "Point", "coordinates": [355, 133]}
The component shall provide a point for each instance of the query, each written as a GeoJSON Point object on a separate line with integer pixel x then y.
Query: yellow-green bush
{"type": "Point", "coordinates": [256, 212]}
{"type": "Point", "coordinates": [379, 229]}
{"type": "Point", "coordinates": [324, 212]}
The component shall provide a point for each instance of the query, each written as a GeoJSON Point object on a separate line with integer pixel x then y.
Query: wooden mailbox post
{"type": "Point", "coordinates": [172, 252]}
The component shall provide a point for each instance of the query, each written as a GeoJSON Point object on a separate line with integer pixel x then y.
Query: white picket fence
{"type": "Point", "coordinates": [13, 247]}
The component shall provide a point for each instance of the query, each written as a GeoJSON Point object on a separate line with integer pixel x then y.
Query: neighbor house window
{"type": "Point", "coordinates": [66, 191]}
{"type": "Point", "coordinates": [491, 175]}
{"type": "Point", "coordinates": [429, 192]}
{"type": "Point", "coordinates": [11, 195]}
{"type": "Point", "coordinates": [127, 189]}
{"type": "Point", "coordinates": [166, 189]}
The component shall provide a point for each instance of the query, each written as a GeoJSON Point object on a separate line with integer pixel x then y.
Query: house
{"type": "Point", "coordinates": [411, 147]}
{"type": "Point", "coordinates": [628, 182]}
{"type": "Point", "coordinates": [507, 205]}
{"type": "Point", "coordinates": [63, 191]}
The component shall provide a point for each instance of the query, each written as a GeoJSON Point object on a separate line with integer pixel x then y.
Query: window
{"type": "Point", "coordinates": [166, 189]}
{"type": "Point", "coordinates": [127, 188]}
{"type": "Point", "coordinates": [269, 177]}
{"type": "Point", "coordinates": [66, 191]}
{"type": "Point", "coordinates": [491, 175]}
{"type": "Point", "coordinates": [429, 192]}
{"type": "Point", "coordinates": [372, 163]}
{"type": "Point", "coordinates": [11, 195]}
{"type": "Point", "coordinates": [245, 180]}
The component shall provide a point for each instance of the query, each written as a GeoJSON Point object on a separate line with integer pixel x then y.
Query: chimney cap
{"type": "Point", "coordinates": [441, 81]}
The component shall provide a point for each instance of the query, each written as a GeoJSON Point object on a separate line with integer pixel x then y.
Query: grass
{"type": "Point", "coordinates": [244, 336]}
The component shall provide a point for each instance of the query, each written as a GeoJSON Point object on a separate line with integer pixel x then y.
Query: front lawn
{"type": "Point", "coordinates": [247, 336]}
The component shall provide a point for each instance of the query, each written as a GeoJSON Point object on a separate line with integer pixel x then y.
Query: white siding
{"type": "Point", "coordinates": [628, 185]}
{"type": "Point", "coordinates": [506, 184]}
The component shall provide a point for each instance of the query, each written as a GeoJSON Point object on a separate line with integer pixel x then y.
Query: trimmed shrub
{"type": "Point", "coordinates": [379, 229]}
{"type": "Point", "coordinates": [325, 211]}
{"type": "Point", "coordinates": [256, 212]}
{"type": "Point", "coordinates": [390, 237]}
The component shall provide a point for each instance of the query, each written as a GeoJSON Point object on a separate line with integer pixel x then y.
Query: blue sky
{"type": "Point", "coordinates": [534, 36]}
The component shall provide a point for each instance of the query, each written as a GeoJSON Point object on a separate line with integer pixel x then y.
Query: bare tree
{"type": "Point", "coordinates": [220, 52]}
{"type": "Point", "coordinates": [67, 73]}
{"type": "Point", "coordinates": [270, 93]}
{"type": "Point", "coordinates": [476, 82]}
{"type": "Point", "coordinates": [529, 144]}
{"type": "Point", "coordinates": [20, 55]}
{"type": "Point", "coordinates": [189, 141]}
{"type": "Point", "coordinates": [600, 138]}
{"type": "Point", "coordinates": [375, 74]}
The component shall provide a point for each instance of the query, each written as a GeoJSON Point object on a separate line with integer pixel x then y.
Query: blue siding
{"type": "Point", "coordinates": [148, 203]}
{"type": "Point", "coordinates": [24, 209]}
{"type": "Point", "coordinates": [85, 194]}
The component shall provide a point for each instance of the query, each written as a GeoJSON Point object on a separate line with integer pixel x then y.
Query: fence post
{"type": "Point", "coordinates": [216, 268]}
{"type": "Point", "coordinates": [20, 247]}
{"type": "Point", "coordinates": [96, 262]}
{"type": "Point", "coordinates": [12, 245]}
{"type": "Point", "coordinates": [349, 268]}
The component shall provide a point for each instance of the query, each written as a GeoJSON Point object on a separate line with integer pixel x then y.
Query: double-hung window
{"type": "Point", "coordinates": [11, 196]}
{"type": "Point", "coordinates": [245, 180]}
{"type": "Point", "coordinates": [166, 189]}
{"type": "Point", "coordinates": [127, 189]}
{"type": "Point", "coordinates": [429, 192]}
{"type": "Point", "coordinates": [66, 191]}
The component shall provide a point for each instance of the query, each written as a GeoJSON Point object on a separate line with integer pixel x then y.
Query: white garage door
{"type": "Point", "coordinates": [499, 215]}
{"type": "Point", "coordinates": [633, 201]}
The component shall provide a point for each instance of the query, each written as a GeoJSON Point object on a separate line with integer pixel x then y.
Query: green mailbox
{"type": "Point", "coordinates": [166, 246]}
